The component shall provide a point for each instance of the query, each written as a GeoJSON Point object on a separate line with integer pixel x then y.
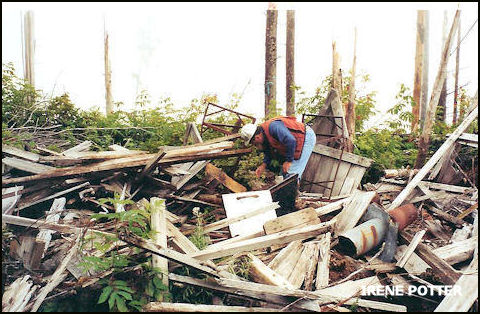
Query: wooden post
{"type": "Point", "coordinates": [424, 141]}
{"type": "Point", "coordinates": [350, 112]}
{"type": "Point", "coordinates": [419, 67]}
{"type": "Point", "coordinates": [159, 226]}
{"type": "Point", "coordinates": [29, 48]}
{"type": "Point", "coordinates": [271, 61]}
{"type": "Point", "coordinates": [457, 67]}
{"type": "Point", "coordinates": [424, 87]}
{"type": "Point", "coordinates": [290, 58]}
{"type": "Point", "coordinates": [442, 103]}
{"type": "Point", "coordinates": [108, 80]}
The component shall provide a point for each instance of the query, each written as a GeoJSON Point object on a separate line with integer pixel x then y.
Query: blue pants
{"type": "Point", "coordinates": [298, 166]}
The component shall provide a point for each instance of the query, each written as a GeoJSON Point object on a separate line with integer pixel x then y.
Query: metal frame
{"type": "Point", "coordinates": [339, 139]}
{"type": "Point", "coordinates": [221, 127]}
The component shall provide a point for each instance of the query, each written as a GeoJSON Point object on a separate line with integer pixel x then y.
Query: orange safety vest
{"type": "Point", "coordinates": [296, 128]}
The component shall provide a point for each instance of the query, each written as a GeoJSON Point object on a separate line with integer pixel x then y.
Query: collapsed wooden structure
{"type": "Point", "coordinates": [295, 258]}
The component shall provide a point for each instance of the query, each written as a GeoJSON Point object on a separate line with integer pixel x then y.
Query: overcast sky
{"type": "Point", "coordinates": [185, 50]}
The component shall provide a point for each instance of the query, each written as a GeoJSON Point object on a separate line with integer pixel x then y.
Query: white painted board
{"type": "Point", "coordinates": [237, 204]}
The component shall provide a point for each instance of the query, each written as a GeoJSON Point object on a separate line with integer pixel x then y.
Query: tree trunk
{"type": "Point", "coordinates": [290, 56]}
{"type": "Point", "coordinates": [350, 112]}
{"type": "Point", "coordinates": [336, 73]}
{"type": "Point", "coordinates": [457, 67]}
{"type": "Point", "coordinates": [419, 67]}
{"type": "Point", "coordinates": [29, 74]}
{"type": "Point", "coordinates": [108, 80]}
{"type": "Point", "coordinates": [442, 104]}
{"type": "Point", "coordinates": [271, 62]}
{"type": "Point", "coordinates": [424, 88]}
{"type": "Point", "coordinates": [424, 141]}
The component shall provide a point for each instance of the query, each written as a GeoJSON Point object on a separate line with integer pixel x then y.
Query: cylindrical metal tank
{"type": "Point", "coordinates": [362, 238]}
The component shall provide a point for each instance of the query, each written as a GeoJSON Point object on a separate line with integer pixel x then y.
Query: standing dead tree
{"type": "Point", "coordinates": [457, 67]}
{"type": "Point", "coordinates": [271, 60]}
{"type": "Point", "coordinates": [108, 79]}
{"type": "Point", "coordinates": [419, 69]}
{"type": "Point", "coordinates": [29, 48]}
{"type": "Point", "coordinates": [350, 112]}
{"type": "Point", "coordinates": [424, 140]}
{"type": "Point", "coordinates": [290, 68]}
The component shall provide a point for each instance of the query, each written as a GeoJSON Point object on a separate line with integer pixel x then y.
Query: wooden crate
{"type": "Point", "coordinates": [322, 166]}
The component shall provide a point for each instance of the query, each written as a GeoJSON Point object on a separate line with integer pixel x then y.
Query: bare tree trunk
{"type": "Point", "coordinates": [419, 66]}
{"type": "Point", "coordinates": [108, 80]}
{"type": "Point", "coordinates": [271, 61]}
{"type": "Point", "coordinates": [457, 67]}
{"type": "Point", "coordinates": [442, 104]}
{"type": "Point", "coordinates": [350, 112]}
{"type": "Point", "coordinates": [336, 73]}
{"type": "Point", "coordinates": [290, 57]}
{"type": "Point", "coordinates": [424, 89]}
{"type": "Point", "coordinates": [29, 42]}
{"type": "Point", "coordinates": [424, 142]}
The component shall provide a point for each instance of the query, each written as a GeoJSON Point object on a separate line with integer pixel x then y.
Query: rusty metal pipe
{"type": "Point", "coordinates": [362, 238]}
{"type": "Point", "coordinates": [404, 215]}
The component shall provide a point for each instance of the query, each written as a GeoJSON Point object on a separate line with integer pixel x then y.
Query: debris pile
{"type": "Point", "coordinates": [304, 251]}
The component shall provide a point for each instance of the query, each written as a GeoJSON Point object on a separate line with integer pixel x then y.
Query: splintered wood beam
{"type": "Point", "coordinates": [167, 253]}
{"type": "Point", "coordinates": [267, 240]}
{"type": "Point", "coordinates": [441, 268]}
{"type": "Point", "coordinates": [191, 200]}
{"type": "Point", "coordinates": [299, 272]}
{"type": "Point", "coordinates": [323, 267]}
{"type": "Point", "coordinates": [267, 297]}
{"type": "Point", "coordinates": [121, 163]}
{"type": "Point", "coordinates": [20, 153]}
{"type": "Point", "coordinates": [353, 211]}
{"type": "Point", "coordinates": [159, 228]}
{"type": "Point", "coordinates": [411, 248]}
{"type": "Point", "coordinates": [26, 165]}
{"type": "Point", "coordinates": [188, 307]}
{"type": "Point", "coordinates": [261, 273]}
{"type": "Point", "coordinates": [151, 164]}
{"type": "Point", "coordinates": [223, 178]}
{"type": "Point", "coordinates": [458, 251]}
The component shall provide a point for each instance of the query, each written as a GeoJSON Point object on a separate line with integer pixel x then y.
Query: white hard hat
{"type": "Point", "coordinates": [247, 132]}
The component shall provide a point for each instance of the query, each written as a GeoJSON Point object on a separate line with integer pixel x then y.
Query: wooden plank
{"type": "Point", "coordinates": [151, 164]}
{"type": "Point", "coordinates": [311, 266]}
{"type": "Point", "coordinates": [26, 165]}
{"type": "Point", "coordinates": [18, 294]}
{"type": "Point", "coordinates": [181, 241]}
{"type": "Point", "coordinates": [121, 163]}
{"type": "Point", "coordinates": [353, 211]}
{"type": "Point", "coordinates": [319, 162]}
{"type": "Point", "coordinates": [85, 145]}
{"type": "Point", "coordinates": [167, 253]}
{"type": "Point", "coordinates": [291, 220]}
{"type": "Point", "coordinates": [457, 252]}
{"type": "Point", "coordinates": [264, 241]}
{"type": "Point", "coordinates": [188, 307]}
{"type": "Point", "coordinates": [268, 297]}
{"type": "Point", "coordinates": [343, 170]}
{"type": "Point", "coordinates": [219, 245]}
{"type": "Point", "coordinates": [346, 156]}
{"type": "Point", "coordinates": [414, 265]}
{"type": "Point", "coordinates": [299, 272]}
{"type": "Point", "coordinates": [327, 209]}
{"type": "Point", "coordinates": [36, 223]}
{"type": "Point", "coordinates": [447, 187]}
{"type": "Point", "coordinates": [53, 196]}
{"type": "Point", "coordinates": [323, 267]}
{"type": "Point", "coordinates": [467, 285]}
{"type": "Point", "coordinates": [20, 153]}
{"type": "Point", "coordinates": [468, 211]}
{"type": "Point", "coordinates": [10, 197]}
{"type": "Point", "coordinates": [411, 248]}
{"type": "Point", "coordinates": [58, 276]}
{"type": "Point", "coordinates": [159, 228]}
{"type": "Point", "coordinates": [223, 178]}
{"type": "Point", "coordinates": [353, 179]}
{"type": "Point", "coordinates": [228, 221]}
{"type": "Point", "coordinates": [310, 172]}
{"type": "Point", "coordinates": [284, 254]}
{"type": "Point", "coordinates": [435, 158]}
{"type": "Point", "coordinates": [442, 269]}
{"type": "Point", "coordinates": [196, 168]}
{"type": "Point", "coordinates": [261, 273]}
{"type": "Point", "coordinates": [53, 216]}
